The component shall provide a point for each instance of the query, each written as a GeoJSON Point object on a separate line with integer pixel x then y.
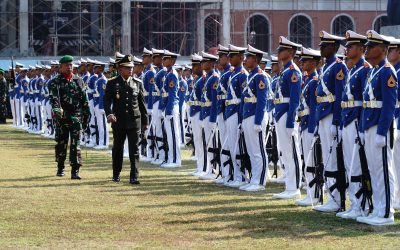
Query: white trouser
{"type": "Point", "coordinates": [198, 142]}
{"type": "Point", "coordinates": [173, 137]}
{"type": "Point", "coordinates": [330, 161]}
{"type": "Point", "coordinates": [158, 130]}
{"type": "Point", "coordinates": [32, 114]}
{"type": "Point", "coordinates": [39, 115]}
{"type": "Point", "coordinates": [380, 165]}
{"type": "Point", "coordinates": [19, 111]}
{"type": "Point", "coordinates": [210, 143]}
{"type": "Point", "coordinates": [231, 143]}
{"type": "Point", "coordinates": [255, 144]}
{"type": "Point", "coordinates": [150, 133]}
{"type": "Point", "coordinates": [352, 168]}
{"type": "Point", "coordinates": [92, 124]}
{"type": "Point", "coordinates": [222, 138]}
{"type": "Point", "coordinates": [396, 165]}
{"type": "Point", "coordinates": [102, 126]}
{"type": "Point", "coordinates": [182, 124]}
{"type": "Point", "coordinates": [13, 111]}
{"type": "Point", "coordinates": [25, 111]}
{"type": "Point", "coordinates": [291, 160]}
{"type": "Point", "coordinates": [307, 139]}
{"type": "Point", "coordinates": [49, 118]}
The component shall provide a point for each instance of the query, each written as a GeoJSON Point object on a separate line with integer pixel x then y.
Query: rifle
{"type": "Point", "coordinates": [341, 179]}
{"type": "Point", "coordinates": [366, 187]}
{"type": "Point", "coordinates": [243, 156]}
{"type": "Point", "coordinates": [272, 149]}
{"type": "Point", "coordinates": [318, 169]}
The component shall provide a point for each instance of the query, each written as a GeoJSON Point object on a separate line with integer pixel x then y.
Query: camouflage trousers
{"type": "Point", "coordinates": [63, 134]}
{"type": "Point", "coordinates": [3, 111]}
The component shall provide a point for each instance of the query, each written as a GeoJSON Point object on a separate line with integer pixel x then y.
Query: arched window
{"type": "Point", "coordinates": [380, 22]}
{"type": "Point", "coordinates": [258, 32]}
{"type": "Point", "coordinates": [341, 24]}
{"type": "Point", "coordinates": [211, 31]}
{"type": "Point", "coordinates": [300, 30]}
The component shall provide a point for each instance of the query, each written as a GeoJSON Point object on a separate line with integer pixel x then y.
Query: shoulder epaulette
{"type": "Point", "coordinates": [112, 78]}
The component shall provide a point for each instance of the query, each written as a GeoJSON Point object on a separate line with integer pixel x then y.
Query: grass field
{"type": "Point", "coordinates": [169, 210]}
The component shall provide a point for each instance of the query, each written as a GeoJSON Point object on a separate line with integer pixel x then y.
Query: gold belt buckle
{"type": "Point", "coordinates": [330, 98]}
{"type": "Point", "coordinates": [373, 104]}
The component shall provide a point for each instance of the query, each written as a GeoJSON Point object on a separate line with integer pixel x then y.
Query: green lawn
{"type": "Point", "coordinates": [168, 210]}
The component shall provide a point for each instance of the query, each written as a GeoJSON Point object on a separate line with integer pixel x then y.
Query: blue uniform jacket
{"type": "Point", "coordinates": [190, 84]}
{"type": "Point", "coordinates": [308, 122]}
{"type": "Point", "coordinates": [92, 86]}
{"type": "Point", "coordinates": [236, 83]}
{"type": "Point", "coordinates": [209, 94]}
{"type": "Point", "coordinates": [384, 86]}
{"type": "Point", "coordinates": [157, 85]}
{"type": "Point", "coordinates": [397, 112]}
{"type": "Point", "coordinates": [148, 77]}
{"type": "Point", "coordinates": [171, 86]}
{"type": "Point", "coordinates": [257, 86]}
{"type": "Point", "coordinates": [39, 88]}
{"type": "Point", "coordinates": [223, 88]}
{"type": "Point", "coordinates": [196, 95]}
{"type": "Point", "coordinates": [183, 88]}
{"type": "Point", "coordinates": [289, 84]}
{"type": "Point", "coordinates": [101, 85]}
{"type": "Point", "coordinates": [335, 79]}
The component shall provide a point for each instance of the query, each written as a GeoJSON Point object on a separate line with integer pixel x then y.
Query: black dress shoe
{"type": "Point", "coordinates": [75, 175]}
{"type": "Point", "coordinates": [60, 172]}
{"type": "Point", "coordinates": [116, 179]}
{"type": "Point", "coordinates": [134, 182]}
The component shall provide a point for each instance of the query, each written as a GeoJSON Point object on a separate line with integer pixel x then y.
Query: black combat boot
{"type": "Point", "coordinates": [134, 175]}
{"type": "Point", "coordinates": [116, 177]}
{"type": "Point", "coordinates": [60, 170]}
{"type": "Point", "coordinates": [75, 173]}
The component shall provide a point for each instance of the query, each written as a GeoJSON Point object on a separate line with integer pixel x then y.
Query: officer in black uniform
{"type": "Point", "coordinates": [125, 109]}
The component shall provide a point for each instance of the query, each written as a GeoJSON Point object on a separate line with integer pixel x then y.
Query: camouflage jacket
{"type": "Point", "coordinates": [68, 100]}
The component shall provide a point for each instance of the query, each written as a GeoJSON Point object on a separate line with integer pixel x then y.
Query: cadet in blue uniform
{"type": "Point", "coordinates": [379, 105]}
{"type": "Point", "coordinates": [98, 100]}
{"type": "Point", "coordinates": [148, 76]}
{"type": "Point", "coordinates": [351, 115]}
{"type": "Point", "coordinates": [255, 119]}
{"type": "Point", "coordinates": [91, 86]}
{"type": "Point", "coordinates": [208, 113]}
{"type": "Point", "coordinates": [329, 97]}
{"type": "Point", "coordinates": [49, 129]}
{"type": "Point", "coordinates": [195, 108]}
{"type": "Point", "coordinates": [182, 104]}
{"type": "Point", "coordinates": [306, 114]}
{"type": "Point", "coordinates": [287, 100]}
{"type": "Point", "coordinates": [170, 107]}
{"type": "Point", "coordinates": [39, 97]}
{"type": "Point", "coordinates": [223, 60]}
{"type": "Point", "coordinates": [394, 59]}
{"type": "Point", "coordinates": [232, 113]}
{"type": "Point", "coordinates": [157, 114]}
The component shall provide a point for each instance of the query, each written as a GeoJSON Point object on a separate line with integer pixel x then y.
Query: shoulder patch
{"type": "Point", "coordinates": [340, 75]}
{"type": "Point", "coordinates": [151, 80]}
{"type": "Point", "coordinates": [171, 84]}
{"type": "Point", "coordinates": [391, 82]}
{"type": "Point", "coordinates": [243, 85]}
{"type": "Point", "coordinates": [261, 85]}
{"type": "Point", "coordinates": [215, 86]}
{"type": "Point", "coordinates": [387, 65]}
{"type": "Point", "coordinates": [294, 78]}
{"type": "Point", "coordinates": [104, 86]}
{"type": "Point", "coordinates": [183, 88]}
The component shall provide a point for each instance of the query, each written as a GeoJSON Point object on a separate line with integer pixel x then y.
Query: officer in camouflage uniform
{"type": "Point", "coordinates": [3, 98]}
{"type": "Point", "coordinates": [70, 110]}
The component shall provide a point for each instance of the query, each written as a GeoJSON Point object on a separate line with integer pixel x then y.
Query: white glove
{"type": "Point", "coordinates": [258, 128]}
{"type": "Point", "coordinates": [380, 141]}
{"type": "Point", "coordinates": [101, 111]}
{"type": "Point", "coordinates": [169, 117]}
{"type": "Point", "coordinates": [213, 125]}
{"type": "Point", "coordinates": [398, 134]}
{"type": "Point", "coordinates": [333, 131]}
{"type": "Point", "coordinates": [161, 115]}
{"type": "Point", "coordinates": [362, 138]}
{"type": "Point", "coordinates": [150, 112]}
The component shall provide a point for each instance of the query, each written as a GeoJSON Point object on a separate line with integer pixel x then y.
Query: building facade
{"type": "Point", "coordinates": [101, 27]}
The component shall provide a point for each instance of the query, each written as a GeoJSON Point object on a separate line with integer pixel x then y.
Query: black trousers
{"type": "Point", "coordinates": [119, 136]}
